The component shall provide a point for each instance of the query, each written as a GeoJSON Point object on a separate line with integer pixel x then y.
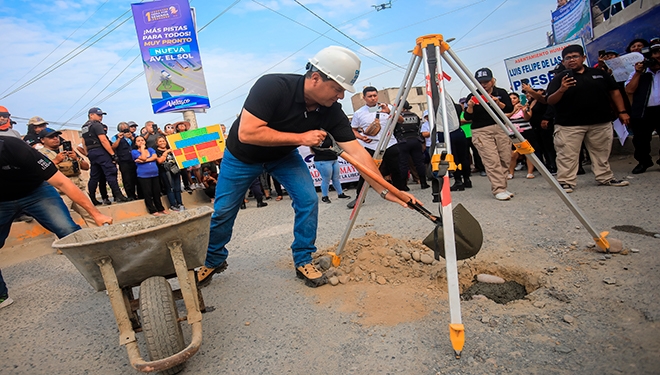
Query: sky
{"type": "Point", "coordinates": [249, 38]}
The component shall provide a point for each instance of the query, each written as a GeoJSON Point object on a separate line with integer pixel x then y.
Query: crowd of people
{"type": "Point", "coordinates": [285, 111]}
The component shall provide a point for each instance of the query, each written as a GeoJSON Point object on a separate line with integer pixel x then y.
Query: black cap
{"type": "Point", "coordinates": [483, 75]}
{"type": "Point", "coordinates": [406, 105]}
{"type": "Point", "coordinates": [96, 111]}
{"type": "Point", "coordinates": [48, 132]}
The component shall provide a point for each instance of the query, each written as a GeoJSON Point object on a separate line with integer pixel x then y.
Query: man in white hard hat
{"type": "Point", "coordinates": [282, 112]}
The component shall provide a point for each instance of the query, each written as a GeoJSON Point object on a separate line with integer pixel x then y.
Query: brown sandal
{"type": "Point", "coordinates": [279, 198]}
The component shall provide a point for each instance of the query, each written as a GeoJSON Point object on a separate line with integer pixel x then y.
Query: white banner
{"type": "Point", "coordinates": [347, 172]}
{"type": "Point", "coordinates": [536, 66]}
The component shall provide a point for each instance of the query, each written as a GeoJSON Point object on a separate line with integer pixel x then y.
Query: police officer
{"type": "Point", "coordinates": [101, 155]}
{"type": "Point", "coordinates": [408, 135]}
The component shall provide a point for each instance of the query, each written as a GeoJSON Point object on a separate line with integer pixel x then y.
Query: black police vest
{"type": "Point", "coordinates": [410, 128]}
{"type": "Point", "coordinates": [91, 140]}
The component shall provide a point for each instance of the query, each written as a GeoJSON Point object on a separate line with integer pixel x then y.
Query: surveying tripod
{"type": "Point", "coordinates": [429, 49]}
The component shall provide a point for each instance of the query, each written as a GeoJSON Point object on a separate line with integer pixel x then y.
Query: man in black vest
{"type": "Point", "coordinates": [408, 135]}
{"type": "Point", "coordinates": [644, 86]}
{"type": "Point", "coordinates": [101, 155]}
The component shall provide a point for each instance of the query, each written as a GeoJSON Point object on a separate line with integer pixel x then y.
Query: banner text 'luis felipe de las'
{"type": "Point", "coordinates": [170, 55]}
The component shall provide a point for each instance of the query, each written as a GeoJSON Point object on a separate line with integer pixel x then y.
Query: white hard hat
{"type": "Point", "coordinates": [339, 64]}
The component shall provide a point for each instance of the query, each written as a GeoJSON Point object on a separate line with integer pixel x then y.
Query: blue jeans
{"type": "Point", "coordinates": [235, 178]}
{"type": "Point", "coordinates": [45, 205]}
{"type": "Point", "coordinates": [329, 170]}
{"type": "Point", "coordinates": [172, 185]}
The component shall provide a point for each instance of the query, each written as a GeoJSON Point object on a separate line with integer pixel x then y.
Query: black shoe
{"type": "Point", "coordinates": [467, 183]}
{"type": "Point", "coordinates": [351, 204]}
{"type": "Point", "coordinates": [262, 204]}
{"type": "Point", "coordinates": [581, 171]}
{"type": "Point", "coordinates": [95, 202]}
{"type": "Point", "coordinates": [188, 189]}
{"type": "Point", "coordinates": [641, 168]}
{"type": "Point", "coordinates": [457, 186]}
{"type": "Point", "coordinates": [107, 202]}
{"type": "Point", "coordinates": [312, 276]}
{"type": "Point", "coordinates": [121, 199]}
{"type": "Point", "coordinates": [424, 185]}
{"type": "Point", "coordinates": [243, 206]}
{"type": "Point", "coordinates": [343, 196]}
{"type": "Point", "coordinates": [405, 188]}
{"type": "Point", "coordinates": [325, 199]}
{"type": "Point", "coordinates": [436, 198]}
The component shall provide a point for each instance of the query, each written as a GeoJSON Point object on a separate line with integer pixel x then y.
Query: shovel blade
{"type": "Point", "coordinates": [467, 231]}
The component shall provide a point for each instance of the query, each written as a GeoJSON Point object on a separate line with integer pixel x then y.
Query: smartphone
{"type": "Point", "coordinates": [569, 73]}
{"type": "Point", "coordinates": [155, 126]}
{"type": "Point", "coordinates": [601, 52]}
{"type": "Point", "coordinates": [524, 81]}
{"type": "Point", "coordinates": [66, 146]}
{"type": "Point", "coordinates": [378, 115]}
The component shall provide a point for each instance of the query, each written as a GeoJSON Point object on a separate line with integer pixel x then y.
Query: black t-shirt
{"type": "Point", "coordinates": [324, 155]}
{"type": "Point", "coordinates": [586, 103]}
{"type": "Point", "coordinates": [480, 118]}
{"type": "Point", "coordinates": [22, 169]}
{"type": "Point", "coordinates": [91, 131]}
{"type": "Point", "coordinates": [279, 100]}
{"type": "Point", "coordinates": [538, 114]}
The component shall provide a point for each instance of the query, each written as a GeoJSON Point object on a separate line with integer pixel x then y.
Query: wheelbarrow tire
{"type": "Point", "coordinates": [161, 329]}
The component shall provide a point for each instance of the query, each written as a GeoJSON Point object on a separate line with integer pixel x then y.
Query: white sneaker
{"type": "Point", "coordinates": [181, 208]}
{"type": "Point", "coordinates": [503, 196]}
{"type": "Point", "coordinates": [6, 302]}
{"type": "Point", "coordinates": [510, 193]}
{"type": "Point", "coordinates": [519, 167]}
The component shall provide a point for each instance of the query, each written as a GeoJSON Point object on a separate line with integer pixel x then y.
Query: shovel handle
{"type": "Point", "coordinates": [397, 193]}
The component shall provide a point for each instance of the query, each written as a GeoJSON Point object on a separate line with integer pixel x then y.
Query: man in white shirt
{"type": "Point", "coordinates": [376, 112]}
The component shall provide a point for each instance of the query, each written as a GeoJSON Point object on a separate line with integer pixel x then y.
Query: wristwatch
{"type": "Point", "coordinates": [384, 193]}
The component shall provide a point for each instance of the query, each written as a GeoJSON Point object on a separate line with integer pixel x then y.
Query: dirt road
{"type": "Point", "coordinates": [585, 312]}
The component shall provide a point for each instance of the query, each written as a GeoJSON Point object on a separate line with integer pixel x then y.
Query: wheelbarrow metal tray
{"type": "Point", "coordinates": [138, 248]}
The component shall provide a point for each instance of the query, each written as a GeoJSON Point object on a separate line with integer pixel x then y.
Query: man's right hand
{"type": "Point", "coordinates": [567, 82]}
{"type": "Point", "coordinates": [312, 138]}
{"type": "Point", "coordinates": [639, 67]}
{"type": "Point", "coordinates": [59, 158]}
{"type": "Point", "coordinates": [101, 219]}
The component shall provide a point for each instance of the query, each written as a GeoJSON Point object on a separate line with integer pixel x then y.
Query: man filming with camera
{"type": "Point", "coordinates": [69, 163]}
{"type": "Point", "coordinates": [644, 86]}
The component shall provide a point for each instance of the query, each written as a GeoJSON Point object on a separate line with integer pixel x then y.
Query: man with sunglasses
{"type": "Point", "coordinates": [581, 96]}
{"type": "Point", "coordinates": [101, 155]}
{"type": "Point", "coordinates": [281, 113]}
{"type": "Point", "coordinates": [5, 124]}
{"type": "Point", "coordinates": [122, 144]}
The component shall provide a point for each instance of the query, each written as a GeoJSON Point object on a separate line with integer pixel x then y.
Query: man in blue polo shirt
{"type": "Point", "coordinates": [282, 112]}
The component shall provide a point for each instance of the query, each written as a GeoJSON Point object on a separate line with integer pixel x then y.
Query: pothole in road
{"type": "Point", "coordinates": [500, 293]}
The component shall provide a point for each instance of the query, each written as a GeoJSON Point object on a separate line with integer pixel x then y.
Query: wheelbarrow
{"type": "Point", "coordinates": [146, 253]}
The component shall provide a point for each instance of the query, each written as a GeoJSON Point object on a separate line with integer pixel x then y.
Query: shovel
{"type": "Point", "coordinates": [469, 236]}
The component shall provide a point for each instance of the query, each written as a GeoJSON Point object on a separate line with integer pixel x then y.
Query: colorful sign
{"type": "Point", "coordinates": [170, 55]}
{"type": "Point", "coordinates": [347, 172]}
{"type": "Point", "coordinates": [197, 146]}
{"type": "Point", "coordinates": [573, 20]}
{"type": "Point", "coordinates": [536, 66]}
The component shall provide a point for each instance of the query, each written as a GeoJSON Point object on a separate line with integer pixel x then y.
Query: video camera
{"type": "Point", "coordinates": [649, 61]}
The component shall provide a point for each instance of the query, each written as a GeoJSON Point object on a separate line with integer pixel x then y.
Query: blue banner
{"type": "Point", "coordinates": [571, 21]}
{"type": "Point", "coordinates": [170, 55]}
